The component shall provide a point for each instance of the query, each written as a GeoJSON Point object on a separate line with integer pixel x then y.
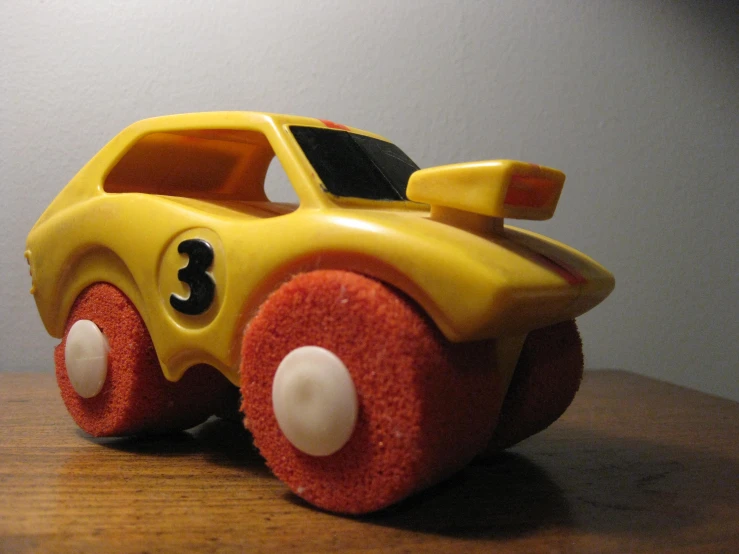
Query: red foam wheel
{"type": "Point", "coordinates": [544, 383]}
{"type": "Point", "coordinates": [426, 407]}
{"type": "Point", "coordinates": [135, 397]}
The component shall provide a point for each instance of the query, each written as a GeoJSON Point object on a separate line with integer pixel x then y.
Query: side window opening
{"type": "Point", "coordinates": [211, 164]}
{"type": "Point", "coordinates": [277, 186]}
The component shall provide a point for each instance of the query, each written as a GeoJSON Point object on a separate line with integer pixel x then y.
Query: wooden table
{"type": "Point", "coordinates": [634, 465]}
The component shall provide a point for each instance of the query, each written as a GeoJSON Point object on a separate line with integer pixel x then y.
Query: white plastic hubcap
{"type": "Point", "coordinates": [86, 358]}
{"type": "Point", "coordinates": [314, 400]}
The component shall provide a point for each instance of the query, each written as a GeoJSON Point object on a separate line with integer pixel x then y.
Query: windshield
{"type": "Point", "coordinates": [355, 165]}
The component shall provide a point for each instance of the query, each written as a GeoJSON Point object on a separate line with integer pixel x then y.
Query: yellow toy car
{"type": "Point", "coordinates": [374, 329]}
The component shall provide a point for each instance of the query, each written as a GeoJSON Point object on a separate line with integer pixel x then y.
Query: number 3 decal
{"type": "Point", "coordinates": [194, 275]}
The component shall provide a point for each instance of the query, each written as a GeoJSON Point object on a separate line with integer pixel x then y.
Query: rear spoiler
{"type": "Point", "coordinates": [495, 188]}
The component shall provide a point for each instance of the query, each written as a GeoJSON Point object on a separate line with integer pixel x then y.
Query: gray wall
{"type": "Point", "coordinates": [635, 101]}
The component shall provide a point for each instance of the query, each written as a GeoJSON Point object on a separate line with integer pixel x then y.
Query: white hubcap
{"type": "Point", "coordinates": [314, 400]}
{"type": "Point", "coordinates": [86, 358]}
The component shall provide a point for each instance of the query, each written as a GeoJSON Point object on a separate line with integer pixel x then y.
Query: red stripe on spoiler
{"type": "Point", "coordinates": [529, 192]}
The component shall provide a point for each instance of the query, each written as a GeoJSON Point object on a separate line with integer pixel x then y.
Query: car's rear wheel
{"type": "Point", "coordinates": [544, 383]}
{"type": "Point", "coordinates": [353, 396]}
{"type": "Point", "coordinates": [111, 381]}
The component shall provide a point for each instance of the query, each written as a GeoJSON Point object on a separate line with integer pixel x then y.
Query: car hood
{"type": "Point", "coordinates": [490, 278]}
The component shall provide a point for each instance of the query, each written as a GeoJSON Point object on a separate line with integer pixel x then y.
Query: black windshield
{"type": "Point", "coordinates": [356, 165]}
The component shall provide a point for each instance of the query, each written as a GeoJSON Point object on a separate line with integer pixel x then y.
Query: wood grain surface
{"type": "Point", "coordinates": [635, 465]}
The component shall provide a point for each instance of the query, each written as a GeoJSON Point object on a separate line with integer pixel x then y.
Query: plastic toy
{"type": "Point", "coordinates": [382, 333]}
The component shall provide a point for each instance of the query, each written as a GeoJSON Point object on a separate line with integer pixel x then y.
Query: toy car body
{"type": "Point", "coordinates": [474, 277]}
{"type": "Point", "coordinates": [173, 213]}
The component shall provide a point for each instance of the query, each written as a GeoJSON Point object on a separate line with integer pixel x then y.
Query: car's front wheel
{"type": "Point", "coordinates": [354, 397]}
{"type": "Point", "coordinates": [110, 378]}
{"type": "Point", "coordinates": [544, 383]}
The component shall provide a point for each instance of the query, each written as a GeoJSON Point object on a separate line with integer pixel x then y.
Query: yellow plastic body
{"type": "Point", "coordinates": [475, 277]}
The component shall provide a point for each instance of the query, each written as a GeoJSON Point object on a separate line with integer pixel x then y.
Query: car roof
{"type": "Point", "coordinates": [233, 120]}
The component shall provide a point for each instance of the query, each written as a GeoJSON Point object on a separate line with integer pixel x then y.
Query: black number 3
{"type": "Point", "coordinates": [202, 286]}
